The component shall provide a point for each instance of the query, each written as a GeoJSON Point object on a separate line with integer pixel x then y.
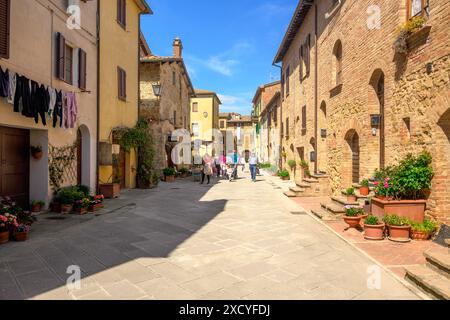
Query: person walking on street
{"type": "Point", "coordinates": [218, 166]}
{"type": "Point", "coordinates": [253, 162]}
{"type": "Point", "coordinates": [207, 169]}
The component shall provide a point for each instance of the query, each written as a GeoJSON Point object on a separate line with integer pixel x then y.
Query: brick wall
{"type": "Point", "coordinates": [416, 102]}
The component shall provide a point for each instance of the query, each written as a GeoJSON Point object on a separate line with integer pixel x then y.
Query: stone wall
{"type": "Point", "coordinates": [415, 94]}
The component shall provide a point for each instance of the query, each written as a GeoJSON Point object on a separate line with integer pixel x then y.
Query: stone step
{"type": "Point", "coordinates": [290, 194]}
{"type": "Point", "coordinates": [303, 185]}
{"type": "Point", "coordinates": [358, 195]}
{"type": "Point", "coordinates": [429, 281]}
{"type": "Point", "coordinates": [439, 260]}
{"type": "Point", "coordinates": [310, 180]}
{"type": "Point", "coordinates": [333, 208]}
{"type": "Point", "coordinates": [297, 189]}
{"type": "Point", "coordinates": [325, 215]}
{"type": "Point", "coordinates": [319, 176]}
{"type": "Point", "coordinates": [343, 201]}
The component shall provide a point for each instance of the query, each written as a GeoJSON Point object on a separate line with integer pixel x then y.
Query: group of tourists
{"type": "Point", "coordinates": [227, 166]}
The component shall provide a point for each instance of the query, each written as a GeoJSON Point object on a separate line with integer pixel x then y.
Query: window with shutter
{"type": "Point", "coordinates": [60, 56]}
{"type": "Point", "coordinates": [122, 83]}
{"type": "Point", "coordinates": [288, 74]}
{"type": "Point", "coordinates": [122, 13]}
{"type": "Point", "coordinates": [303, 120]}
{"type": "Point", "coordinates": [82, 69]}
{"type": "Point", "coordinates": [68, 64]}
{"type": "Point", "coordinates": [301, 56]}
{"type": "Point", "coordinates": [308, 54]}
{"type": "Point", "coordinates": [4, 28]}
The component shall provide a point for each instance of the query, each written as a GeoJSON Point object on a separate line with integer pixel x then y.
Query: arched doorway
{"type": "Point", "coordinates": [352, 139]}
{"type": "Point", "coordinates": [377, 106]}
{"type": "Point", "coordinates": [84, 156]}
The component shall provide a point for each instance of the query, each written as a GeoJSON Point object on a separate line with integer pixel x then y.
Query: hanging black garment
{"type": "Point", "coordinates": [58, 112]}
{"type": "Point", "coordinates": [4, 83]}
{"type": "Point", "coordinates": [35, 101]}
{"type": "Point", "coordinates": [39, 100]}
{"type": "Point", "coordinates": [22, 97]}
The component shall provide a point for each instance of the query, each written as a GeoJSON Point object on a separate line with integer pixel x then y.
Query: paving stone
{"type": "Point", "coordinates": [209, 283]}
{"type": "Point", "coordinates": [124, 290]}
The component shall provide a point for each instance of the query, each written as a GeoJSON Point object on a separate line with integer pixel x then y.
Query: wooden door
{"type": "Point", "coordinates": [15, 164]}
{"type": "Point", "coordinates": [355, 158]}
{"type": "Point", "coordinates": [79, 156]}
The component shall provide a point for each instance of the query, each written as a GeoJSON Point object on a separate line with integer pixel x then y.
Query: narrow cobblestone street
{"type": "Point", "coordinates": [190, 241]}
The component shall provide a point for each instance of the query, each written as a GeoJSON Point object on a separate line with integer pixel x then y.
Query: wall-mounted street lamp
{"type": "Point", "coordinates": [157, 89]}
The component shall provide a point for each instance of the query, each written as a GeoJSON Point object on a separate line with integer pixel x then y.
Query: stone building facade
{"type": "Point", "coordinates": [166, 90]}
{"type": "Point", "coordinates": [263, 96]}
{"type": "Point", "coordinates": [351, 104]}
{"type": "Point", "coordinates": [38, 42]}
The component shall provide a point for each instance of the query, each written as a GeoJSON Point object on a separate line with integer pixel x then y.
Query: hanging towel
{"type": "Point", "coordinates": [72, 110]}
{"type": "Point", "coordinates": [4, 83]}
{"type": "Point", "coordinates": [12, 86]}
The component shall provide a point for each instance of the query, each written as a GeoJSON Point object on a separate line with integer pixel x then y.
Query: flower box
{"type": "Point", "coordinates": [4, 237]}
{"type": "Point", "coordinates": [411, 209]}
{"type": "Point", "coordinates": [96, 207]}
{"type": "Point", "coordinates": [110, 190]}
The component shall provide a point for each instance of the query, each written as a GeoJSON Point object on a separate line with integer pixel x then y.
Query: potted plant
{"type": "Point", "coordinates": [36, 206]}
{"type": "Point", "coordinates": [353, 216]}
{"type": "Point", "coordinates": [404, 188]}
{"type": "Point", "coordinates": [423, 231]}
{"type": "Point", "coordinates": [8, 223]}
{"type": "Point", "coordinates": [364, 188]}
{"type": "Point", "coordinates": [305, 166]}
{"type": "Point", "coordinates": [169, 174]}
{"type": "Point", "coordinates": [351, 196]}
{"type": "Point", "coordinates": [36, 152]}
{"type": "Point", "coordinates": [67, 197]}
{"type": "Point", "coordinates": [399, 228]}
{"type": "Point", "coordinates": [21, 233]}
{"type": "Point", "coordinates": [292, 164]}
{"type": "Point", "coordinates": [413, 25]}
{"type": "Point", "coordinates": [81, 206]}
{"type": "Point", "coordinates": [284, 175]}
{"type": "Point", "coordinates": [96, 203]}
{"type": "Point", "coordinates": [373, 228]}
{"type": "Point", "coordinates": [183, 172]}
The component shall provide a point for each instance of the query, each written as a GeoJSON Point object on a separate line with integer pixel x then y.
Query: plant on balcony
{"type": "Point", "coordinates": [405, 31]}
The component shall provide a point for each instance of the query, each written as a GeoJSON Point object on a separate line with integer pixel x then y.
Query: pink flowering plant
{"type": "Point", "coordinates": [8, 222]}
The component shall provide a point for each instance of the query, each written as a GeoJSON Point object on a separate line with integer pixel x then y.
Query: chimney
{"type": "Point", "coordinates": [177, 48]}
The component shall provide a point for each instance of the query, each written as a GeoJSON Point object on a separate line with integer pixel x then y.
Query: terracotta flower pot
{"type": "Point", "coordinates": [420, 236]}
{"type": "Point", "coordinates": [110, 190]}
{"type": "Point", "coordinates": [374, 232]}
{"type": "Point", "coordinates": [353, 222]}
{"type": "Point", "coordinates": [364, 191]}
{"type": "Point", "coordinates": [170, 179]}
{"type": "Point", "coordinates": [21, 236]}
{"type": "Point", "coordinates": [352, 199]}
{"type": "Point", "coordinates": [411, 209]}
{"type": "Point", "coordinates": [399, 234]}
{"type": "Point", "coordinates": [284, 178]}
{"type": "Point", "coordinates": [81, 211]}
{"type": "Point", "coordinates": [66, 208]}
{"type": "Point", "coordinates": [38, 155]}
{"type": "Point", "coordinates": [4, 237]}
{"type": "Point", "coordinates": [36, 208]}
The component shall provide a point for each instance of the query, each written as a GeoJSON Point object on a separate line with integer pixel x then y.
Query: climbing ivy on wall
{"type": "Point", "coordinates": [62, 165]}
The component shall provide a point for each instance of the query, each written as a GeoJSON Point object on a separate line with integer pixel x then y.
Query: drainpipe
{"type": "Point", "coordinates": [316, 90]}
{"type": "Point", "coordinates": [280, 147]}
{"type": "Point", "coordinates": [97, 173]}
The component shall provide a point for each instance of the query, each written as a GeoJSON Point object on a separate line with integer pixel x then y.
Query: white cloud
{"type": "Point", "coordinates": [224, 67]}
{"type": "Point", "coordinates": [234, 103]}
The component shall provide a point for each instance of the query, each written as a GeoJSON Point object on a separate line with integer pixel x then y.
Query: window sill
{"type": "Point", "coordinates": [123, 99]}
{"type": "Point", "coordinates": [336, 90]}
{"type": "Point", "coordinates": [123, 26]}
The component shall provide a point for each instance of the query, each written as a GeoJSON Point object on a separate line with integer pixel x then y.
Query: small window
{"type": "Point", "coordinates": [122, 13]}
{"type": "Point", "coordinates": [287, 128]}
{"type": "Point", "coordinates": [195, 129]}
{"type": "Point", "coordinates": [418, 8]}
{"type": "Point", "coordinates": [68, 65]}
{"type": "Point", "coordinates": [195, 107]}
{"type": "Point", "coordinates": [337, 55]}
{"type": "Point", "coordinates": [122, 83]}
{"type": "Point", "coordinates": [301, 55]}
{"type": "Point", "coordinates": [4, 28]}
{"type": "Point", "coordinates": [288, 73]}
{"type": "Point", "coordinates": [303, 120]}
{"type": "Point", "coordinates": [174, 118]}
{"type": "Point", "coordinates": [222, 124]}
{"type": "Point", "coordinates": [174, 78]}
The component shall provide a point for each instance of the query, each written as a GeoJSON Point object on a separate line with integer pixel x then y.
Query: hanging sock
{"type": "Point", "coordinates": [12, 87]}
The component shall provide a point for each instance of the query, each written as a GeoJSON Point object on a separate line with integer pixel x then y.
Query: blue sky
{"type": "Point", "coordinates": [229, 45]}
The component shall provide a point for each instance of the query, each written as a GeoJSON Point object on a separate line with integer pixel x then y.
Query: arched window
{"type": "Point", "coordinates": [337, 63]}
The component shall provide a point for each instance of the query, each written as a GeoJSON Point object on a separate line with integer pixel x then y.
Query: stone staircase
{"type": "Point", "coordinates": [433, 278]}
{"type": "Point", "coordinates": [335, 208]}
{"type": "Point", "coordinates": [314, 186]}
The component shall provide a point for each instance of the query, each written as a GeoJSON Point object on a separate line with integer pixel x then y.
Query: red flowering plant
{"type": "Point", "coordinates": [99, 198]}
{"type": "Point", "coordinates": [8, 222]}
{"type": "Point", "coordinates": [83, 203]}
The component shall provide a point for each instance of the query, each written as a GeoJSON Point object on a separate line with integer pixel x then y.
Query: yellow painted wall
{"type": "Point", "coordinates": [118, 47]}
{"type": "Point", "coordinates": [210, 105]}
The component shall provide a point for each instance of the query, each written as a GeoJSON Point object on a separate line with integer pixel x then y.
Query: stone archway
{"type": "Point", "coordinates": [441, 159]}
{"type": "Point", "coordinates": [376, 106]}
{"type": "Point", "coordinates": [351, 163]}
